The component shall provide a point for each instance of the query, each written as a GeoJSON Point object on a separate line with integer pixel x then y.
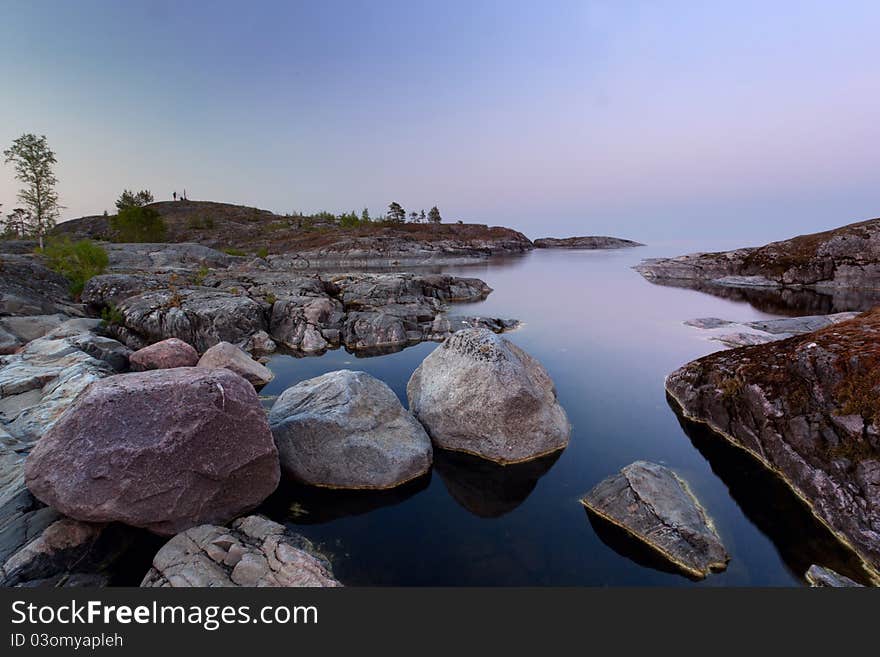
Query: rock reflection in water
{"type": "Point", "coordinates": [311, 505]}
{"type": "Point", "coordinates": [800, 539]}
{"type": "Point", "coordinates": [792, 302]}
{"type": "Point", "coordinates": [486, 489]}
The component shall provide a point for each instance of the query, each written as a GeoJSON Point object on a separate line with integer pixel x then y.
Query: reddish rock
{"type": "Point", "coordinates": [165, 450]}
{"type": "Point", "coordinates": [164, 356]}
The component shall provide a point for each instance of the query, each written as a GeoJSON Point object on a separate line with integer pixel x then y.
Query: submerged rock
{"type": "Point", "coordinates": [768, 330]}
{"type": "Point", "coordinates": [254, 551]}
{"type": "Point", "coordinates": [164, 355]}
{"type": "Point", "coordinates": [806, 407]}
{"type": "Point", "coordinates": [819, 576]}
{"type": "Point", "coordinates": [232, 358]}
{"type": "Point", "coordinates": [481, 394]}
{"type": "Point", "coordinates": [653, 505]}
{"type": "Point", "coordinates": [347, 429]}
{"type": "Point", "coordinates": [164, 450]}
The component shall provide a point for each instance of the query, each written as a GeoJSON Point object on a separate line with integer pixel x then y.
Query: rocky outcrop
{"type": "Point", "coordinates": [652, 504]}
{"type": "Point", "coordinates": [164, 355]}
{"type": "Point", "coordinates": [807, 407]}
{"type": "Point", "coordinates": [481, 394]}
{"type": "Point", "coordinates": [846, 257]}
{"type": "Point", "coordinates": [164, 450]}
{"type": "Point", "coordinates": [259, 308]}
{"type": "Point", "coordinates": [17, 331]}
{"type": "Point", "coordinates": [253, 551]}
{"type": "Point", "coordinates": [232, 358]}
{"type": "Point", "coordinates": [164, 257]}
{"type": "Point", "coordinates": [734, 334]}
{"type": "Point", "coordinates": [589, 242]}
{"type": "Point", "coordinates": [27, 287]}
{"type": "Point", "coordinates": [347, 429]}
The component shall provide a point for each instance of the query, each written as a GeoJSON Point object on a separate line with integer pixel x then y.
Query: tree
{"type": "Point", "coordinates": [138, 224]}
{"type": "Point", "coordinates": [130, 199]}
{"type": "Point", "coordinates": [414, 217]}
{"type": "Point", "coordinates": [434, 215]}
{"type": "Point", "coordinates": [34, 165]}
{"type": "Point", "coordinates": [396, 213]}
{"type": "Point", "coordinates": [422, 218]}
{"type": "Point", "coordinates": [16, 225]}
{"type": "Point", "coordinates": [365, 216]}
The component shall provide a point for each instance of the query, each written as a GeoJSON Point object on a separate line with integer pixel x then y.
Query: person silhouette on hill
{"type": "Point", "coordinates": [174, 195]}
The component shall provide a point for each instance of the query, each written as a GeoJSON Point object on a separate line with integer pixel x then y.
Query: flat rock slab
{"type": "Point", "coordinates": [347, 429]}
{"type": "Point", "coordinates": [252, 552]}
{"type": "Point", "coordinates": [165, 450]}
{"type": "Point", "coordinates": [819, 577]}
{"type": "Point", "coordinates": [653, 505]}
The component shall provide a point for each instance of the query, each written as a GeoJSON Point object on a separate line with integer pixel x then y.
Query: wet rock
{"type": "Point", "coordinates": [481, 394]}
{"type": "Point", "coordinates": [819, 576]}
{"type": "Point", "coordinates": [347, 429]}
{"type": "Point", "coordinates": [804, 407]}
{"type": "Point", "coordinates": [232, 358]}
{"type": "Point", "coordinates": [203, 431]}
{"type": "Point", "coordinates": [253, 551]}
{"type": "Point", "coordinates": [653, 505]}
{"type": "Point", "coordinates": [164, 355]}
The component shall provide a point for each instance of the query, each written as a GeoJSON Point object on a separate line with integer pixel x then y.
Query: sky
{"type": "Point", "coordinates": [656, 121]}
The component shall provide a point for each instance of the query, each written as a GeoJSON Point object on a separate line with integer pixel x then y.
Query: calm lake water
{"type": "Point", "coordinates": [608, 338]}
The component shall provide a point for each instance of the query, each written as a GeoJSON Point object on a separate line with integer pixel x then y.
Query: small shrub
{"type": "Point", "coordinates": [201, 274]}
{"type": "Point", "coordinates": [112, 316]}
{"type": "Point", "coordinates": [263, 252]}
{"type": "Point", "coordinates": [234, 252]}
{"type": "Point", "coordinates": [270, 298]}
{"type": "Point", "coordinates": [138, 224]}
{"type": "Point", "coordinates": [76, 261]}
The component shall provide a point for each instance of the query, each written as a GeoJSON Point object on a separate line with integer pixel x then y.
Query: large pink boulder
{"type": "Point", "coordinates": [164, 355]}
{"type": "Point", "coordinates": [166, 450]}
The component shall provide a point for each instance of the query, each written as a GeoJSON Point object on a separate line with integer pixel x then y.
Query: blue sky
{"type": "Point", "coordinates": [657, 121]}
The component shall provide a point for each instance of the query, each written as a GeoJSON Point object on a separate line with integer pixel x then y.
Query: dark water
{"type": "Point", "coordinates": [608, 338]}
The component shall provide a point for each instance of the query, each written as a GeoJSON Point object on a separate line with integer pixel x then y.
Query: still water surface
{"type": "Point", "coordinates": [608, 338]}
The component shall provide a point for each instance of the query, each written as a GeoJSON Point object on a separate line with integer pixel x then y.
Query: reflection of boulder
{"type": "Point", "coordinates": [310, 505]}
{"type": "Point", "coordinates": [487, 489]}
{"type": "Point", "coordinates": [769, 503]}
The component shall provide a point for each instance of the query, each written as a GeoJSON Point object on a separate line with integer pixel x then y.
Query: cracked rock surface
{"type": "Point", "coordinates": [656, 507]}
{"type": "Point", "coordinates": [253, 551]}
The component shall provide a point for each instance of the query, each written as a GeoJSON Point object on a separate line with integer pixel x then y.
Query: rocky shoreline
{"type": "Point", "coordinates": [588, 242]}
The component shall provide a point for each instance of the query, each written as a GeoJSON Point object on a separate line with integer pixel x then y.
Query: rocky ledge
{"type": "Point", "coordinates": [846, 257]}
{"type": "Point", "coordinates": [588, 242]}
{"type": "Point", "coordinates": [742, 334]}
{"type": "Point", "coordinates": [260, 308]}
{"type": "Point", "coordinates": [808, 408]}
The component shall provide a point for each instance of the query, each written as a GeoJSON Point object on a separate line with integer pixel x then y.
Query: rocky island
{"type": "Point", "coordinates": [589, 242]}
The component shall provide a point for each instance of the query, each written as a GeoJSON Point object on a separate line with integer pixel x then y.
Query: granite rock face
{"type": "Point", "coordinates": [230, 357]}
{"type": "Point", "coordinates": [347, 429]}
{"type": "Point", "coordinates": [846, 257]}
{"type": "Point", "coordinates": [481, 394]}
{"type": "Point", "coordinates": [28, 287]}
{"type": "Point", "coordinates": [164, 450]}
{"type": "Point", "coordinates": [807, 407]}
{"type": "Point", "coordinates": [656, 507]}
{"type": "Point", "coordinates": [164, 355]}
{"type": "Point", "coordinates": [588, 242]}
{"type": "Point", "coordinates": [253, 551]}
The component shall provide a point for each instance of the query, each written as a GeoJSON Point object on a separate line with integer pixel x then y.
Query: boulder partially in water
{"type": "Point", "coordinates": [230, 357]}
{"type": "Point", "coordinates": [481, 394]}
{"type": "Point", "coordinates": [164, 450]}
{"type": "Point", "coordinates": [164, 355]}
{"type": "Point", "coordinates": [254, 551]}
{"type": "Point", "coordinates": [653, 505]}
{"type": "Point", "coordinates": [347, 429]}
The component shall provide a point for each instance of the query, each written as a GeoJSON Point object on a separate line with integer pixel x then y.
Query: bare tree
{"type": "Point", "coordinates": [34, 162]}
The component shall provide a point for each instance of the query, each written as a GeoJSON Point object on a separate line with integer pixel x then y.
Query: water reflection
{"type": "Point", "coordinates": [486, 489]}
{"type": "Point", "coordinates": [800, 539]}
{"type": "Point", "coordinates": [309, 505]}
{"type": "Point", "coordinates": [787, 301]}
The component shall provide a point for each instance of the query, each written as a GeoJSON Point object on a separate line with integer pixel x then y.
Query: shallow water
{"type": "Point", "coordinates": [608, 338]}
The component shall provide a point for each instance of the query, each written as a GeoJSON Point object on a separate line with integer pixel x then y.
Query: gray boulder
{"type": "Point", "coordinates": [652, 504]}
{"type": "Point", "coordinates": [165, 450]}
{"type": "Point", "coordinates": [230, 357]}
{"type": "Point", "coordinates": [481, 394]}
{"type": "Point", "coordinates": [252, 552]}
{"type": "Point", "coordinates": [164, 355]}
{"type": "Point", "coordinates": [347, 429]}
